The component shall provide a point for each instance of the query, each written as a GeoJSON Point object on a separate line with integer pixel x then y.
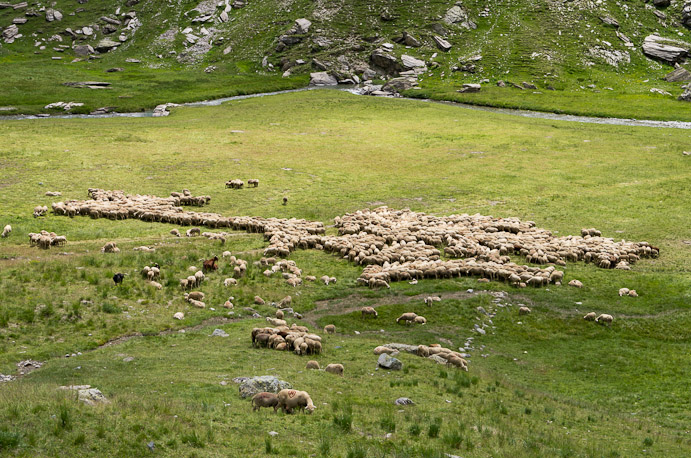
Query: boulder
{"type": "Point", "coordinates": [686, 14]}
{"type": "Point", "coordinates": [412, 349]}
{"type": "Point", "coordinates": [404, 402]}
{"type": "Point", "coordinates": [458, 15]}
{"type": "Point", "coordinates": [666, 50]}
{"type": "Point", "coordinates": [528, 85]}
{"type": "Point", "coordinates": [322, 79]}
{"type": "Point", "coordinates": [410, 40]}
{"type": "Point", "coordinates": [686, 95]}
{"type": "Point", "coordinates": [385, 61]}
{"type": "Point", "coordinates": [106, 45]}
{"type": "Point", "coordinates": [268, 383]}
{"type": "Point", "coordinates": [302, 25]}
{"type": "Point", "coordinates": [387, 362]}
{"type": "Point", "coordinates": [400, 84]}
{"type": "Point", "coordinates": [92, 397]}
{"type": "Point", "coordinates": [661, 3]}
{"type": "Point", "coordinates": [678, 75]}
{"type": "Point", "coordinates": [470, 87]}
{"type": "Point", "coordinates": [219, 333]}
{"type": "Point", "coordinates": [441, 43]}
{"type": "Point", "coordinates": [10, 32]}
{"type": "Point", "coordinates": [411, 62]}
{"type": "Point", "coordinates": [609, 20]}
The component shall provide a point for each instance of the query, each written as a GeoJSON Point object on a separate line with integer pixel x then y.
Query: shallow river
{"type": "Point", "coordinates": [508, 111]}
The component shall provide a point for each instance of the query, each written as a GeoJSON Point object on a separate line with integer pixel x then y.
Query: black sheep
{"type": "Point", "coordinates": [118, 278]}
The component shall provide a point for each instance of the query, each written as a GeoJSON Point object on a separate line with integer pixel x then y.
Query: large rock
{"type": "Point", "coordinates": [412, 349]}
{"type": "Point", "coordinates": [686, 14]}
{"type": "Point", "coordinates": [678, 75]}
{"type": "Point", "coordinates": [410, 40]}
{"type": "Point", "coordinates": [400, 84]}
{"type": "Point", "coordinates": [686, 95]}
{"type": "Point", "coordinates": [666, 50]}
{"type": "Point", "coordinates": [441, 43]}
{"type": "Point", "coordinates": [411, 62]}
{"type": "Point", "coordinates": [302, 25]}
{"type": "Point", "coordinates": [322, 79]}
{"type": "Point", "coordinates": [385, 61]}
{"type": "Point", "coordinates": [10, 32]}
{"type": "Point", "coordinates": [661, 3]}
{"type": "Point", "coordinates": [106, 45]}
{"type": "Point", "coordinates": [470, 87]}
{"type": "Point", "coordinates": [254, 385]}
{"type": "Point", "coordinates": [92, 397]}
{"type": "Point", "coordinates": [458, 15]}
{"type": "Point", "coordinates": [83, 50]}
{"type": "Point", "coordinates": [388, 362]}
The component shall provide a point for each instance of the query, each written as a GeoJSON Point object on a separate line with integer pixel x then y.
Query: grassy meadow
{"type": "Point", "coordinates": [547, 384]}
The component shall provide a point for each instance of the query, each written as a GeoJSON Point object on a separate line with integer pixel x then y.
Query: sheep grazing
{"type": "Point", "coordinates": [228, 305]}
{"type": "Point", "coordinates": [524, 310]}
{"type": "Point", "coordinates": [156, 285]}
{"type": "Point", "coordinates": [53, 193]}
{"type": "Point", "coordinates": [145, 249]}
{"type": "Point", "coordinates": [230, 282]}
{"type": "Point", "coordinates": [259, 301]}
{"type": "Point", "coordinates": [633, 293]}
{"type": "Point", "coordinates": [198, 304]}
{"type": "Point", "coordinates": [420, 320]}
{"type": "Point", "coordinates": [330, 329]}
{"type": "Point", "coordinates": [194, 295]}
{"type": "Point", "coordinates": [312, 365]}
{"type": "Point", "coordinates": [285, 302]}
{"type": "Point", "coordinates": [264, 399]}
{"type": "Point", "coordinates": [326, 279]}
{"type": "Point", "coordinates": [310, 278]}
{"type": "Point", "coordinates": [604, 319]}
{"type": "Point", "coordinates": [279, 314]}
{"type": "Point", "coordinates": [369, 311]}
{"type": "Point", "coordinates": [276, 322]}
{"type": "Point", "coordinates": [252, 183]}
{"type": "Point", "coordinates": [194, 232]}
{"type": "Point", "coordinates": [623, 292]}
{"type": "Point", "coordinates": [483, 280]}
{"type": "Point", "coordinates": [236, 184]}
{"type": "Point", "coordinates": [40, 211]}
{"type": "Point", "coordinates": [407, 318]}
{"type": "Point", "coordinates": [382, 349]}
{"type": "Point", "coordinates": [179, 316]}
{"type": "Point", "coordinates": [6, 231]}
{"type": "Point", "coordinates": [176, 233]}
{"type": "Point", "coordinates": [429, 300]}
{"type": "Point", "coordinates": [335, 369]}
{"type": "Point", "coordinates": [291, 399]}
{"type": "Point", "coordinates": [576, 283]}
{"type": "Point", "coordinates": [110, 247]}
{"type": "Point", "coordinates": [118, 278]}
{"type": "Point", "coordinates": [210, 264]}
{"type": "Point", "coordinates": [457, 361]}
{"type": "Point", "coordinates": [590, 316]}
{"type": "Point", "coordinates": [226, 254]}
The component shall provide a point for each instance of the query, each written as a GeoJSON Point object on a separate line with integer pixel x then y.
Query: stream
{"type": "Point", "coordinates": [351, 90]}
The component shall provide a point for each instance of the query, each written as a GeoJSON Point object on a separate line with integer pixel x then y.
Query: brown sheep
{"type": "Point", "coordinates": [524, 311]}
{"type": "Point", "coordinates": [453, 360]}
{"type": "Point", "coordinates": [210, 264]}
{"type": "Point", "coordinates": [264, 399]}
{"type": "Point", "coordinates": [312, 365]}
{"type": "Point", "coordinates": [381, 349]}
{"type": "Point", "coordinates": [330, 329]}
{"type": "Point", "coordinates": [590, 316]}
{"type": "Point", "coordinates": [605, 318]}
{"type": "Point", "coordinates": [291, 399]}
{"type": "Point", "coordinates": [369, 311]}
{"type": "Point", "coordinates": [285, 302]}
{"type": "Point", "coordinates": [279, 314]}
{"type": "Point", "coordinates": [335, 369]}
{"type": "Point", "coordinates": [423, 350]}
{"type": "Point", "coordinates": [259, 301]}
{"type": "Point", "coordinates": [407, 317]}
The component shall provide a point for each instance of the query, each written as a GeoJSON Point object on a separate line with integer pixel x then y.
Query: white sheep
{"type": "Point", "coordinates": [179, 316]}
{"type": "Point", "coordinates": [523, 310]}
{"type": "Point", "coordinates": [156, 285]}
{"type": "Point", "coordinates": [604, 318]}
{"type": "Point", "coordinates": [6, 231]}
{"type": "Point", "coordinates": [330, 329]}
{"type": "Point", "coordinates": [230, 282]}
{"type": "Point", "coordinates": [198, 304]}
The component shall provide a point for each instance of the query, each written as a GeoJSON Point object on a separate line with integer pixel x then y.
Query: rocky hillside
{"type": "Point", "coordinates": [549, 41]}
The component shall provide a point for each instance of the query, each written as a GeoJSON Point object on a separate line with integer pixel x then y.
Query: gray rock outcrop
{"type": "Point", "coordinates": [322, 79]}
{"type": "Point", "coordinates": [385, 61]}
{"type": "Point", "coordinates": [268, 383]}
{"type": "Point", "coordinates": [666, 50]}
{"type": "Point", "coordinates": [441, 43]}
{"type": "Point", "coordinates": [458, 15]}
{"type": "Point", "coordinates": [387, 362]}
{"type": "Point", "coordinates": [678, 75]}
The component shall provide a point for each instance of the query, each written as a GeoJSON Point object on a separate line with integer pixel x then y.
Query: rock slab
{"type": "Point", "coordinates": [268, 383]}
{"type": "Point", "coordinates": [388, 362]}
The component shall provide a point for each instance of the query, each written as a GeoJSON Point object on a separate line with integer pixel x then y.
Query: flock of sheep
{"type": "Point", "coordinates": [434, 351]}
{"type": "Point", "coordinates": [238, 184]}
{"type": "Point", "coordinates": [45, 239]}
{"type": "Point", "coordinates": [395, 245]}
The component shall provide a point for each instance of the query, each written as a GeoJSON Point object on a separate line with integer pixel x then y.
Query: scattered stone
{"type": "Point", "coordinates": [128, 359]}
{"type": "Point", "coordinates": [92, 397]}
{"type": "Point", "coordinates": [458, 15]}
{"type": "Point", "coordinates": [527, 85]}
{"type": "Point", "coordinates": [10, 33]}
{"type": "Point", "coordinates": [404, 402]}
{"type": "Point", "coordinates": [131, 60]}
{"type": "Point", "coordinates": [655, 90]}
{"type": "Point", "coordinates": [115, 70]}
{"type": "Point", "coordinates": [67, 106]}
{"type": "Point", "coordinates": [576, 283]}
{"type": "Point", "coordinates": [219, 333]}
{"type": "Point", "coordinates": [412, 349]}
{"type": "Point", "coordinates": [83, 50]}
{"type": "Point", "coordinates": [387, 362]}
{"type": "Point", "coordinates": [273, 433]}
{"type": "Point", "coordinates": [322, 79]}
{"type": "Point", "coordinates": [106, 45]}
{"type": "Point", "coordinates": [441, 43]}
{"type": "Point", "coordinates": [411, 62]}
{"type": "Point", "coordinates": [608, 20]}
{"type": "Point", "coordinates": [380, 58]}
{"type": "Point", "coordinates": [6, 378]}
{"type": "Point", "coordinates": [302, 25]}
{"type": "Point", "coordinates": [251, 386]}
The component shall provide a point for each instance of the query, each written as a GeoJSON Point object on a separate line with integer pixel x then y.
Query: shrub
{"type": "Point", "coordinates": [344, 419]}
{"type": "Point", "coordinates": [414, 430]}
{"type": "Point", "coordinates": [9, 440]}
{"type": "Point", "coordinates": [388, 424]}
{"type": "Point", "coordinates": [647, 442]}
{"type": "Point", "coordinates": [192, 439]}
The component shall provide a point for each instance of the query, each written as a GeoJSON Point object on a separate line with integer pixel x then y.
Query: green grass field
{"type": "Point", "coordinates": [553, 385]}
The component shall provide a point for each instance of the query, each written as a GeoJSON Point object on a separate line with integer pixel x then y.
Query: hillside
{"type": "Point", "coordinates": [591, 48]}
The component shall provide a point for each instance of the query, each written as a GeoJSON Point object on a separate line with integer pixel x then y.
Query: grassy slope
{"type": "Point", "coordinates": [628, 182]}
{"type": "Point", "coordinates": [545, 42]}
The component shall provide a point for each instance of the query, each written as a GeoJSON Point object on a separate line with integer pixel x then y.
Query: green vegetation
{"type": "Point", "coordinates": [553, 385]}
